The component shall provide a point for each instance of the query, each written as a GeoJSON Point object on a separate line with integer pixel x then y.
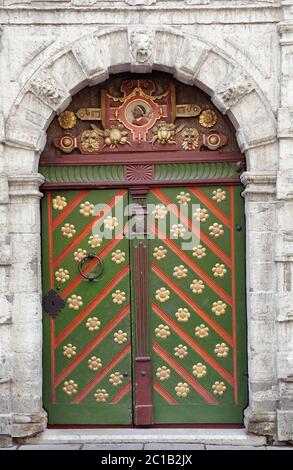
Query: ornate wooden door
{"type": "Point", "coordinates": [197, 324]}
{"type": "Point", "coordinates": [87, 340]}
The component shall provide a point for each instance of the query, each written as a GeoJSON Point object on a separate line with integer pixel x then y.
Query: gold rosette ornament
{"type": "Point", "coordinates": [67, 120]}
{"type": "Point", "coordinates": [208, 118]}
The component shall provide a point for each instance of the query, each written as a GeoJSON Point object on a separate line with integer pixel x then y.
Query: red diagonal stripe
{"type": "Point", "coordinates": [78, 279]}
{"type": "Point", "coordinates": [180, 253]}
{"type": "Point", "coordinates": [87, 229]}
{"type": "Point", "coordinates": [92, 344]}
{"type": "Point", "coordinates": [184, 374]}
{"type": "Point", "coordinates": [124, 390]}
{"type": "Point", "coordinates": [185, 337]}
{"type": "Point", "coordinates": [234, 323]}
{"type": "Point", "coordinates": [212, 207]}
{"type": "Point", "coordinates": [181, 293]}
{"type": "Point", "coordinates": [102, 294]}
{"type": "Point", "coordinates": [102, 373]}
{"type": "Point", "coordinates": [166, 395]}
{"type": "Point", "coordinates": [193, 228]}
{"type": "Point", "coordinates": [69, 208]}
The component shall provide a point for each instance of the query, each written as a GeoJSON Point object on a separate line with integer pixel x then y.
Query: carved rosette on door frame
{"type": "Point", "coordinates": [140, 328]}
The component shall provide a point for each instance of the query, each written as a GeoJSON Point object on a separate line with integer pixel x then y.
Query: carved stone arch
{"type": "Point", "coordinates": [90, 59]}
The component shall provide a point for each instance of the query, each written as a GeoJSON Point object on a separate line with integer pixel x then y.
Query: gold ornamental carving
{"type": "Point", "coordinates": [90, 140]}
{"type": "Point", "coordinates": [165, 133]}
{"type": "Point", "coordinates": [67, 120]}
{"type": "Point", "coordinates": [190, 138]}
{"type": "Point", "coordinates": [114, 136]}
{"type": "Point", "coordinates": [208, 118]}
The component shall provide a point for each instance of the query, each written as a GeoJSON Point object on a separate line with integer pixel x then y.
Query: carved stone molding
{"type": "Point", "coordinates": [233, 88]}
{"type": "Point", "coordinates": [25, 185]}
{"type": "Point", "coordinates": [262, 183]}
{"type": "Point", "coordinates": [48, 90]}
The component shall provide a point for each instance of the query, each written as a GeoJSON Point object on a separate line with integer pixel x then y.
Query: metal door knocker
{"type": "Point", "coordinates": [91, 276]}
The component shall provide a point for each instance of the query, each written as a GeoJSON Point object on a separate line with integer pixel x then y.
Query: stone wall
{"type": "Point", "coordinates": [241, 53]}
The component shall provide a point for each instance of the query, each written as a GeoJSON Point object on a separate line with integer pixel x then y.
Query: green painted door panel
{"type": "Point", "coordinates": [87, 348]}
{"type": "Point", "coordinates": [197, 312]}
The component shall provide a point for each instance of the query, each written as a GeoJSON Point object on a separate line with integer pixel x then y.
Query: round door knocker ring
{"type": "Point", "coordinates": [91, 276]}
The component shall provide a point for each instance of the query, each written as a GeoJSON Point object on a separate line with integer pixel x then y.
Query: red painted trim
{"type": "Point", "coordinates": [195, 229]}
{"type": "Point", "coordinates": [119, 395]}
{"type": "Point", "coordinates": [164, 394]}
{"type": "Point", "coordinates": [180, 253]}
{"type": "Point", "coordinates": [52, 280]}
{"type": "Point", "coordinates": [213, 208]}
{"type": "Point", "coordinates": [141, 157]}
{"type": "Point", "coordinates": [102, 294]}
{"type": "Point", "coordinates": [184, 374]}
{"type": "Point", "coordinates": [92, 344]}
{"type": "Point", "coordinates": [108, 206]}
{"type": "Point", "coordinates": [52, 333]}
{"type": "Point", "coordinates": [197, 309]}
{"type": "Point", "coordinates": [69, 208]}
{"type": "Point", "coordinates": [118, 184]}
{"type": "Point", "coordinates": [102, 374]}
{"type": "Point", "coordinates": [78, 279]}
{"type": "Point", "coordinates": [50, 241]}
{"type": "Point", "coordinates": [188, 340]}
{"type": "Point", "coordinates": [234, 321]}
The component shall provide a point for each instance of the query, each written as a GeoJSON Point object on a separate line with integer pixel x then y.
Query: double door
{"type": "Point", "coordinates": [144, 306]}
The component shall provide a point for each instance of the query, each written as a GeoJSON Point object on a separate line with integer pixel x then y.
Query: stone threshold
{"type": "Point", "coordinates": [235, 437]}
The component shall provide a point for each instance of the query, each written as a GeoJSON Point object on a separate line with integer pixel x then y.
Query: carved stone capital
{"type": "Point", "coordinates": [25, 185]}
{"type": "Point", "coordinates": [258, 183]}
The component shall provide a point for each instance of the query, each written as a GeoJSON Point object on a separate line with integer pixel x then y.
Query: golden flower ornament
{"type": "Point", "coordinates": [159, 252]}
{"type": "Point", "coordinates": [101, 395]}
{"type": "Point", "coordinates": [94, 241]}
{"type": "Point", "coordinates": [162, 294]}
{"type": "Point", "coordinates": [62, 275]}
{"type": "Point", "coordinates": [216, 230]}
{"type": "Point", "coordinates": [75, 302]}
{"type": "Point", "coordinates": [180, 271]}
{"type": "Point", "coordinates": [79, 254]}
{"type": "Point", "coordinates": [219, 270]}
{"type": "Point", "coordinates": [162, 331]}
{"type": "Point", "coordinates": [182, 389]}
{"type": "Point", "coordinates": [163, 373]}
{"type": "Point", "coordinates": [67, 120]}
{"type": "Point", "coordinates": [70, 387]}
{"type": "Point", "coordinates": [116, 379]}
{"type": "Point", "coordinates": [182, 314]}
{"type": "Point", "coordinates": [178, 231]}
{"type": "Point", "coordinates": [118, 297]}
{"type": "Point", "coordinates": [160, 211]}
{"type": "Point", "coordinates": [199, 252]}
{"type": "Point", "coordinates": [208, 118]}
{"type": "Point", "coordinates": [69, 350]}
{"type": "Point", "coordinates": [110, 222]}
{"type": "Point", "coordinates": [197, 286]}
{"type": "Point", "coordinates": [118, 256]}
{"type": "Point", "coordinates": [221, 350]}
{"type": "Point", "coordinates": [202, 331]}
{"type": "Point", "coordinates": [219, 195]}
{"type": "Point", "coordinates": [93, 324]}
{"type": "Point", "coordinates": [219, 308]}
{"type": "Point", "coordinates": [94, 363]}
{"type": "Point", "coordinates": [120, 337]}
{"type": "Point", "coordinates": [68, 230]}
{"type": "Point", "coordinates": [189, 138]}
{"type": "Point", "coordinates": [180, 351]}
{"type": "Point", "coordinates": [183, 198]}
{"type": "Point", "coordinates": [59, 202]}
{"type": "Point", "coordinates": [86, 209]}
{"type": "Point", "coordinates": [201, 215]}
{"type": "Point", "coordinates": [219, 388]}
{"type": "Point", "coordinates": [199, 370]}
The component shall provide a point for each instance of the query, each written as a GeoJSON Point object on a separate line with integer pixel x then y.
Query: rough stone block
{"type": "Point", "coordinates": [192, 55]}
{"type": "Point", "coordinates": [262, 336]}
{"type": "Point", "coordinates": [285, 425]}
{"type": "Point", "coordinates": [260, 277]}
{"type": "Point", "coordinates": [260, 306]}
{"type": "Point", "coordinates": [259, 216]}
{"type": "Point", "coordinates": [28, 245]}
{"type": "Point", "coordinates": [115, 51]}
{"type": "Point", "coordinates": [27, 307]}
{"type": "Point", "coordinates": [25, 277]}
{"type": "Point", "coordinates": [262, 367]}
{"type": "Point", "coordinates": [75, 76]}
{"type": "Point", "coordinates": [167, 49]}
{"type": "Point", "coordinates": [212, 71]}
